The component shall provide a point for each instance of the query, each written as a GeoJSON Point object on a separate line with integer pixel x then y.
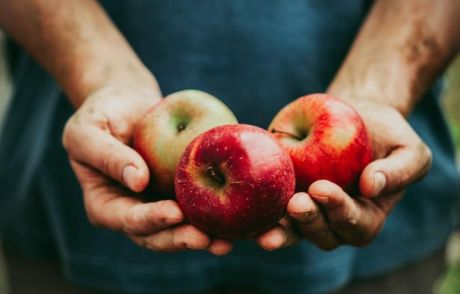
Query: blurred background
{"type": "Point", "coordinates": [5, 90]}
{"type": "Point", "coordinates": [449, 283]}
{"type": "Point", "coordinates": [452, 102]}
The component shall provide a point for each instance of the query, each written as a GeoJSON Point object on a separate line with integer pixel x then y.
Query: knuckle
{"type": "Point", "coordinates": [400, 180]}
{"type": "Point", "coordinates": [161, 219]}
{"type": "Point", "coordinates": [347, 222]}
{"type": "Point", "coordinates": [104, 163]}
{"type": "Point", "coordinates": [179, 241]}
{"type": "Point", "coordinates": [108, 161]}
{"type": "Point", "coordinates": [92, 215]}
{"type": "Point", "coordinates": [136, 221]}
{"type": "Point", "coordinates": [166, 212]}
{"type": "Point", "coordinates": [130, 223]}
{"type": "Point", "coordinates": [427, 152]}
{"type": "Point", "coordinates": [66, 134]}
{"type": "Point", "coordinates": [428, 155]}
{"type": "Point", "coordinates": [164, 205]}
{"type": "Point", "coordinates": [158, 211]}
{"type": "Point", "coordinates": [93, 220]}
{"type": "Point", "coordinates": [121, 129]}
{"type": "Point", "coordinates": [71, 128]}
{"type": "Point", "coordinates": [426, 158]}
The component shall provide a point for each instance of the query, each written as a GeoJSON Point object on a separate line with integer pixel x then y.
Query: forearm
{"type": "Point", "coordinates": [401, 49]}
{"type": "Point", "coordinates": [77, 43]}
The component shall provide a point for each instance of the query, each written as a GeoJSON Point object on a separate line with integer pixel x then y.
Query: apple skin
{"type": "Point", "coordinates": [234, 181]}
{"type": "Point", "coordinates": [163, 134]}
{"type": "Point", "coordinates": [326, 139]}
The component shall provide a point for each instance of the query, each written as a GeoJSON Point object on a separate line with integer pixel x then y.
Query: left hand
{"type": "Point", "coordinates": [328, 217]}
{"type": "Point", "coordinates": [113, 175]}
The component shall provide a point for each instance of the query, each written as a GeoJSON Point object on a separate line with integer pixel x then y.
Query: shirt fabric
{"type": "Point", "coordinates": [256, 56]}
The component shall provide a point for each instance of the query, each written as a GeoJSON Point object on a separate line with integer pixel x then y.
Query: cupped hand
{"type": "Point", "coordinates": [113, 175]}
{"type": "Point", "coordinates": [328, 217]}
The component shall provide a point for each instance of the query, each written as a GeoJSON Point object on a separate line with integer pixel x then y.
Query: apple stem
{"type": "Point", "coordinates": [287, 134]}
{"type": "Point", "coordinates": [180, 127]}
{"type": "Point", "coordinates": [216, 175]}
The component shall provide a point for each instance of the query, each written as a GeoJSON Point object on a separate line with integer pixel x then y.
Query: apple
{"type": "Point", "coordinates": [165, 131]}
{"type": "Point", "coordinates": [326, 139]}
{"type": "Point", "coordinates": [234, 181]}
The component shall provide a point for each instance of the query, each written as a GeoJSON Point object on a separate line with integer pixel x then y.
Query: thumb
{"type": "Point", "coordinates": [99, 149]}
{"type": "Point", "coordinates": [402, 167]}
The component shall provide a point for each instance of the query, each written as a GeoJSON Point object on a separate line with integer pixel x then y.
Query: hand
{"type": "Point", "coordinates": [112, 175]}
{"type": "Point", "coordinates": [328, 217]}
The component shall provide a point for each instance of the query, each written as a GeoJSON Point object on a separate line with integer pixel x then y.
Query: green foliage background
{"type": "Point", "coordinates": [452, 100]}
{"type": "Point", "coordinates": [449, 283]}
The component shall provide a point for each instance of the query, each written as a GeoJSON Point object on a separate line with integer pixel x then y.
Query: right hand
{"type": "Point", "coordinates": [329, 217]}
{"type": "Point", "coordinates": [112, 174]}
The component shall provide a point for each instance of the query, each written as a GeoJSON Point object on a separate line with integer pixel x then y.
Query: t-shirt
{"type": "Point", "coordinates": [256, 56]}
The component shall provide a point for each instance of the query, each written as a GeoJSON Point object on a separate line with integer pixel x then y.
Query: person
{"type": "Point", "coordinates": [110, 59]}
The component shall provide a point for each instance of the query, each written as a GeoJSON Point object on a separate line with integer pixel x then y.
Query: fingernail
{"type": "Point", "coordinates": [300, 203]}
{"type": "Point", "coordinates": [300, 208]}
{"type": "Point", "coordinates": [277, 241]}
{"type": "Point", "coordinates": [379, 182]}
{"type": "Point", "coordinates": [321, 199]}
{"type": "Point", "coordinates": [129, 176]}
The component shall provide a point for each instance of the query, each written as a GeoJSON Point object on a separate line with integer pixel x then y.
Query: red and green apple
{"type": "Point", "coordinates": [161, 137]}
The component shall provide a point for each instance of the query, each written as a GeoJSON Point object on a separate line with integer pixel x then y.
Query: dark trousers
{"type": "Point", "coordinates": [38, 276]}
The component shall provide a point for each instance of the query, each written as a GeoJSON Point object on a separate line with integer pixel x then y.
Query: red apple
{"type": "Point", "coordinates": [326, 139]}
{"type": "Point", "coordinates": [234, 181]}
{"type": "Point", "coordinates": [161, 137]}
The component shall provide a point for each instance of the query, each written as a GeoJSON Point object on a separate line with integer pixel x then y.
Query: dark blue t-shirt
{"type": "Point", "coordinates": [256, 56]}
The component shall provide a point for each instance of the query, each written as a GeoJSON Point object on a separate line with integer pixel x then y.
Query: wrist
{"type": "Point", "coordinates": [82, 81]}
{"type": "Point", "coordinates": [367, 89]}
{"type": "Point", "coordinates": [397, 54]}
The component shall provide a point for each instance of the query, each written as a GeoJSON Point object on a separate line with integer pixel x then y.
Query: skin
{"type": "Point", "coordinates": [111, 90]}
{"type": "Point", "coordinates": [401, 48]}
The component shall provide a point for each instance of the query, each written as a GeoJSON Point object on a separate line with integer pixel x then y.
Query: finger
{"type": "Point", "coordinates": [311, 222]}
{"type": "Point", "coordinates": [387, 202]}
{"type": "Point", "coordinates": [281, 235]}
{"type": "Point", "coordinates": [356, 222]}
{"type": "Point", "coordinates": [272, 239]}
{"type": "Point", "coordinates": [183, 237]}
{"type": "Point", "coordinates": [131, 217]}
{"type": "Point", "coordinates": [99, 149]}
{"type": "Point", "coordinates": [220, 247]}
{"type": "Point", "coordinates": [402, 167]}
{"type": "Point", "coordinates": [293, 236]}
{"type": "Point", "coordinates": [112, 207]}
